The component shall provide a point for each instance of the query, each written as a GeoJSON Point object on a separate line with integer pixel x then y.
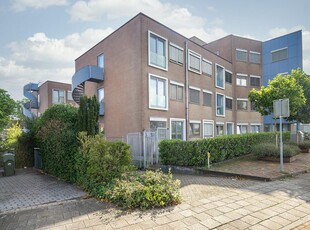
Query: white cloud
{"type": "Point", "coordinates": [21, 5]}
{"type": "Point", "coordinates": [40, 58]}
{"type": "Point", "coordinates": [275, 32]}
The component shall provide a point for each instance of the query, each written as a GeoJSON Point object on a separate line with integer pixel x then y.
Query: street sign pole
{"type": "Point", "coordinates": [281, 147]}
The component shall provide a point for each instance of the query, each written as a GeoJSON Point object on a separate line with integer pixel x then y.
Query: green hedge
{"type": "Point", "coordinates": [194, 153]}
{"type": "Point", "coordinates": [271, 150]}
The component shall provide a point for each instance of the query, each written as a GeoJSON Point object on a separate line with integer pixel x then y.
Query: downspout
{"type": "Point", "coordinates": [186, 92]}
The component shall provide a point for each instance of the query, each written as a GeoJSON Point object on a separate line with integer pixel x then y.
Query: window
{"type": "Point", "coordinates": [100, 60]}
{"type": "Point", "coordinates": [69, 95]}
{"type": "Point", "coordinates": [219, 129]}
{"type": "Point", "coordinates": [228, 77]}
{"type": "Point", "coordinates": [279, 55]}
{"type": "Point", "coordinates": [157, 51]}
{"type": "Point", "coordinates": [58, 96]}
{"type": "Point", "coordinates": [157, 123]}
{"type": "Point", "coordinates": [177, 128]}
{"type": "Point", "coordinates": [242, 128]}
{"type": "Point", "coordinates": [101, 101]}
{"type": "Point", "coordinates": [255, 128]}
{"type": "Point", "coordinates": [207, 129]}
{"type": "Point", "coordinates": [241, 80]}
{"type": "Point", "coordinates": [242, 104]}
{"type": "Point", "coordinates": [255, 81]}
{"type": "Point", "coordinates": [176, 54]}
{"type": "Point", "coordinates": [219, 77]}
{"type": "Point", "coordinates": [176, 91]}
{"type": "Point", "coordinates": [241, 55]}
{"type": "Point", "coordinates": [194, 129]}
{"type": "Point", "coordinates": [220, 109]}
{"type": "Point", "coordinates": [252, 106]}
{"type": "Point", "coordinates": [158, 92]}
{"type": "Point", "coordinates": [194, 95]}
{"type": "Point", "coordinates": [229, 128]}
{"type": "Point", "coordinates": [228, 103]}
{"type": "Point", "coordinates": [206, 67]}
{"type": "Point", "coordinates": [194, 61]}
{"type": "Point", "coordinates": [207, 98]}
{"type": "Point", "coordinates": [255, 57]}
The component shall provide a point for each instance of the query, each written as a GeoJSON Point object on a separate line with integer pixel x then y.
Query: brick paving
{"type": "Point", "coordinates": [209, 203]}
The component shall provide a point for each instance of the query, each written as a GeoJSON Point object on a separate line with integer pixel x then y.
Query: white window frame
{"type": "Point", "coordinates": [247, 106]}
{"type": "Point", "coordinates": [65, 96]}
{"type": "Point", "coordinates": [184, 128]}
{"type": "Point", "coordinates": [221, 124]}
{"type": "Point", "coordinates": [196, 122]}
{"type": "Point", "coordinates": [232, 124]}
{"type": "Point", "coordinates": [177, 47]}
{"type": "Point", "coordinates": [216, 76]}
{"type": "Point", "coordinates": [255, 124]}
{"type": "Point", "coordinates": [149, 52]}
{"type": "Point", "coordinates": [203, 127]}
{"type": "Point", "coordinates": [243, 124]}
{"type": "Point", "coordinates": [191, 52]}
{"type": "Point", "coordinates": [242, 50]}
{"type": "Point", "coordinates": [166, 88]}
{"type": "Point", "coordinates": [101, 54]}
{"type": "Point", "coordinates": [224, 102]}
{"type": "Point", "coordinates": [242, 75]}
{"type": "Point", "coordinates": [207, 61]}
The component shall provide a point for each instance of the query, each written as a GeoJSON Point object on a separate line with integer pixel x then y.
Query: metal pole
{"type": "Point", "coordinates": [281, 145]}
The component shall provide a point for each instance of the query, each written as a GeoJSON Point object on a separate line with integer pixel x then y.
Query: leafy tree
{"type": "Point", "coordinates": [289, 86]}
{"type": "Point", "coordinates": [12, 134]}
{"type": "Point", "coordinates": [88, 115]}
{"type": "Point", "coordinates": [7, 107]}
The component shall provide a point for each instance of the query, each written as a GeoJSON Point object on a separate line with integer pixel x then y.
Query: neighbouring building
{"type": "Point", "coordinates": [147, 76]}
{"type": "Point", "coordinates": [44, 96]}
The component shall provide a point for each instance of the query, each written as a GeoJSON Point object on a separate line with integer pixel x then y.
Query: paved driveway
{"type": "Point", "coordinates": [29, 188]}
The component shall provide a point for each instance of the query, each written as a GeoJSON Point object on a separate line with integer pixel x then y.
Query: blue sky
{"type": "Point", "coordinates": [40, 39]}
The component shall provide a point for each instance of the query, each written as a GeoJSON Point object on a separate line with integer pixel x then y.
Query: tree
{"type": "Point", "coordinates": [12, 134]}
{"type": "Point", "coordinates": [7, 108]}
{"type": "Point", "coordinates": [289, 86]}
{"type": "Point", "coordinates": [88, 115]}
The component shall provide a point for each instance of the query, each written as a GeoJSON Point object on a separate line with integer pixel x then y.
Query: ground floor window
{"type": "Point", "coordinates": [242, 128]}
{"type": "Point", "coordinates": [219, 129]}
{"type": "Point", "coordinates": [154, 124]}
{"type": "Point", "coordinates": [207, 129]}
{"type": "Point", "coordinates": [177, 129]}
{"type": "Point", "coordinates": [229, 128]}
{"type": "Point", "coordinates": [255, 128]}
{"type": "Point", "coordinates": [194, 129]}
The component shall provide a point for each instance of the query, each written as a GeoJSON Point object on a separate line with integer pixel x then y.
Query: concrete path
{"type": "Point", "coordinates": [209, 203]}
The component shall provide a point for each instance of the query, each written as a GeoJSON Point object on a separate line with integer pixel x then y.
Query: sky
{"type": "Point", "coordinates": [40, 39]}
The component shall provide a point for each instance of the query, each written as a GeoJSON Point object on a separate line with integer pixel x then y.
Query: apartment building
{"type": "Point", "coordinates": [43, 96]}
{"type": "Point", "coordinates": [147, 76]}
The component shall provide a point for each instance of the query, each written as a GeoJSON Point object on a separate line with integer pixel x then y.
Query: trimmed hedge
{"type": "Point", "coordinates": [195, 153]}
{"type": "Point", "coordinates": [271, 150]}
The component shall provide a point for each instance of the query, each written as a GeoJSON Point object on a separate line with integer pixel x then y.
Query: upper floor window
{"type": "Point", "coordinates": [58, 96]}
{"type": "Point", "coordinates": [255, 81]}
{"type": "Point", "coordinates": [279, 55]}
{"type": "Point", "coordinates": [241, 55]}
{"type": "Point", "coordinates": [219, 81]}
{"type": "Point", "coordinates": [176, 54]}
{"type": "Point", "coordinates": [228, 103]}
{"type": "Point", "coordinates": [241, 80]}
{"type": "Point", "coordinates": [157, 51]}
{"type": "Point", "coordinates": [207, 98]}
{"type": "Point", "coordinates": [158, 92]}
{"type": "Point", "coordinates": [69, 96]}
{"type": "Point", "coordinates": [101, 100]}
{"type": "Point", "coordinates": [194, 95]}
{"type": "Point", "coordinates": [176, 91]}
{"type": "Point", "coordinates": [255, 57]}
{"type": "Point", "coordinates": [194, 61]}
{"type": "Point", "coordinates": [100, 60]}
{"type": "Point", "coordinates": [242, 104]}
{"type": "Point", "coordinates": [220, 105]}
{"type": "Point", "coordinates": [206, 67]}
{"type": "Point", "coordinates": [228, 77]}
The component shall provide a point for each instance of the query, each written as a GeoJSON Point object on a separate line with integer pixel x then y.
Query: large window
{"type": "Point", "coordinates": [194, 61]}
{"type": "Point", "coordinates": [219, 81]}
{"type": "Point", "coordinates": [100, 60]}
{"type": "Point", "coordinates": [158, 92]}
{"type": "Point", "coordinates": [255, 57]}
{"type": "Point", "coordinates": [101, 100]}
{"type": "Point", "coordinates": [194, 129]}
{"type": "Point", "coordinates": [279, 55]}
{"type": "Point", "coordinates": [207, 129]}
{"type": "Point", "coordinates": [69, 96]}
{"type": "Point", "coordinates": [242, 128]}
{"type": "Point", "coordinates": [219, 129]}
{"type": "Point", "coordinates": [255, 81]}
{"type": "Point", "coordinates": [228, 103]}
{"type": "Point", "coordinates": [157, 51]}
{"type": "Point", "coordinates": [229, 128]}
{"type": "Point", "coordinates": [58, 96]}
{"type": "Point", "coordinates": [255, 128]}
{"type": "Point", "coordinates": [228, 77]}
{"type": "Point", "coordinates": [194, 95]}
{"type": "Point", "coordinates": [156, 123]}
{"type": "Point", "coordinates": [220, 105]}
{"type": "Point", "coordinates": [207, 98]}
{"type": "Point", "coordinates": [241, 55]}
{"type": "Point", "coordinates": [206, 67]}
{"type": "Point", "coordinates": [242, 104]}
{"type": "Point", "coordinates": [176, 91]}
{"type": "Point", "coordinates": [176, 54]}
{"type": "Point", "coordinates": [241, 80]}
{"type": "Point", "coordinates": [177, 128]}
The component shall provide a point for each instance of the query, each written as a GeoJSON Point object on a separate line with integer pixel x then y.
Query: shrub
{"type": "Point", "coordinates": [149, 190]}
{"type": "Point", "coordinates": [24, 150]}
{"type": "Point", "coordinates": [304, 145]}
{"type": "Point", "coordinates": [271, 150]}
{"type": "Point", "coordinates": [194, 153]}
